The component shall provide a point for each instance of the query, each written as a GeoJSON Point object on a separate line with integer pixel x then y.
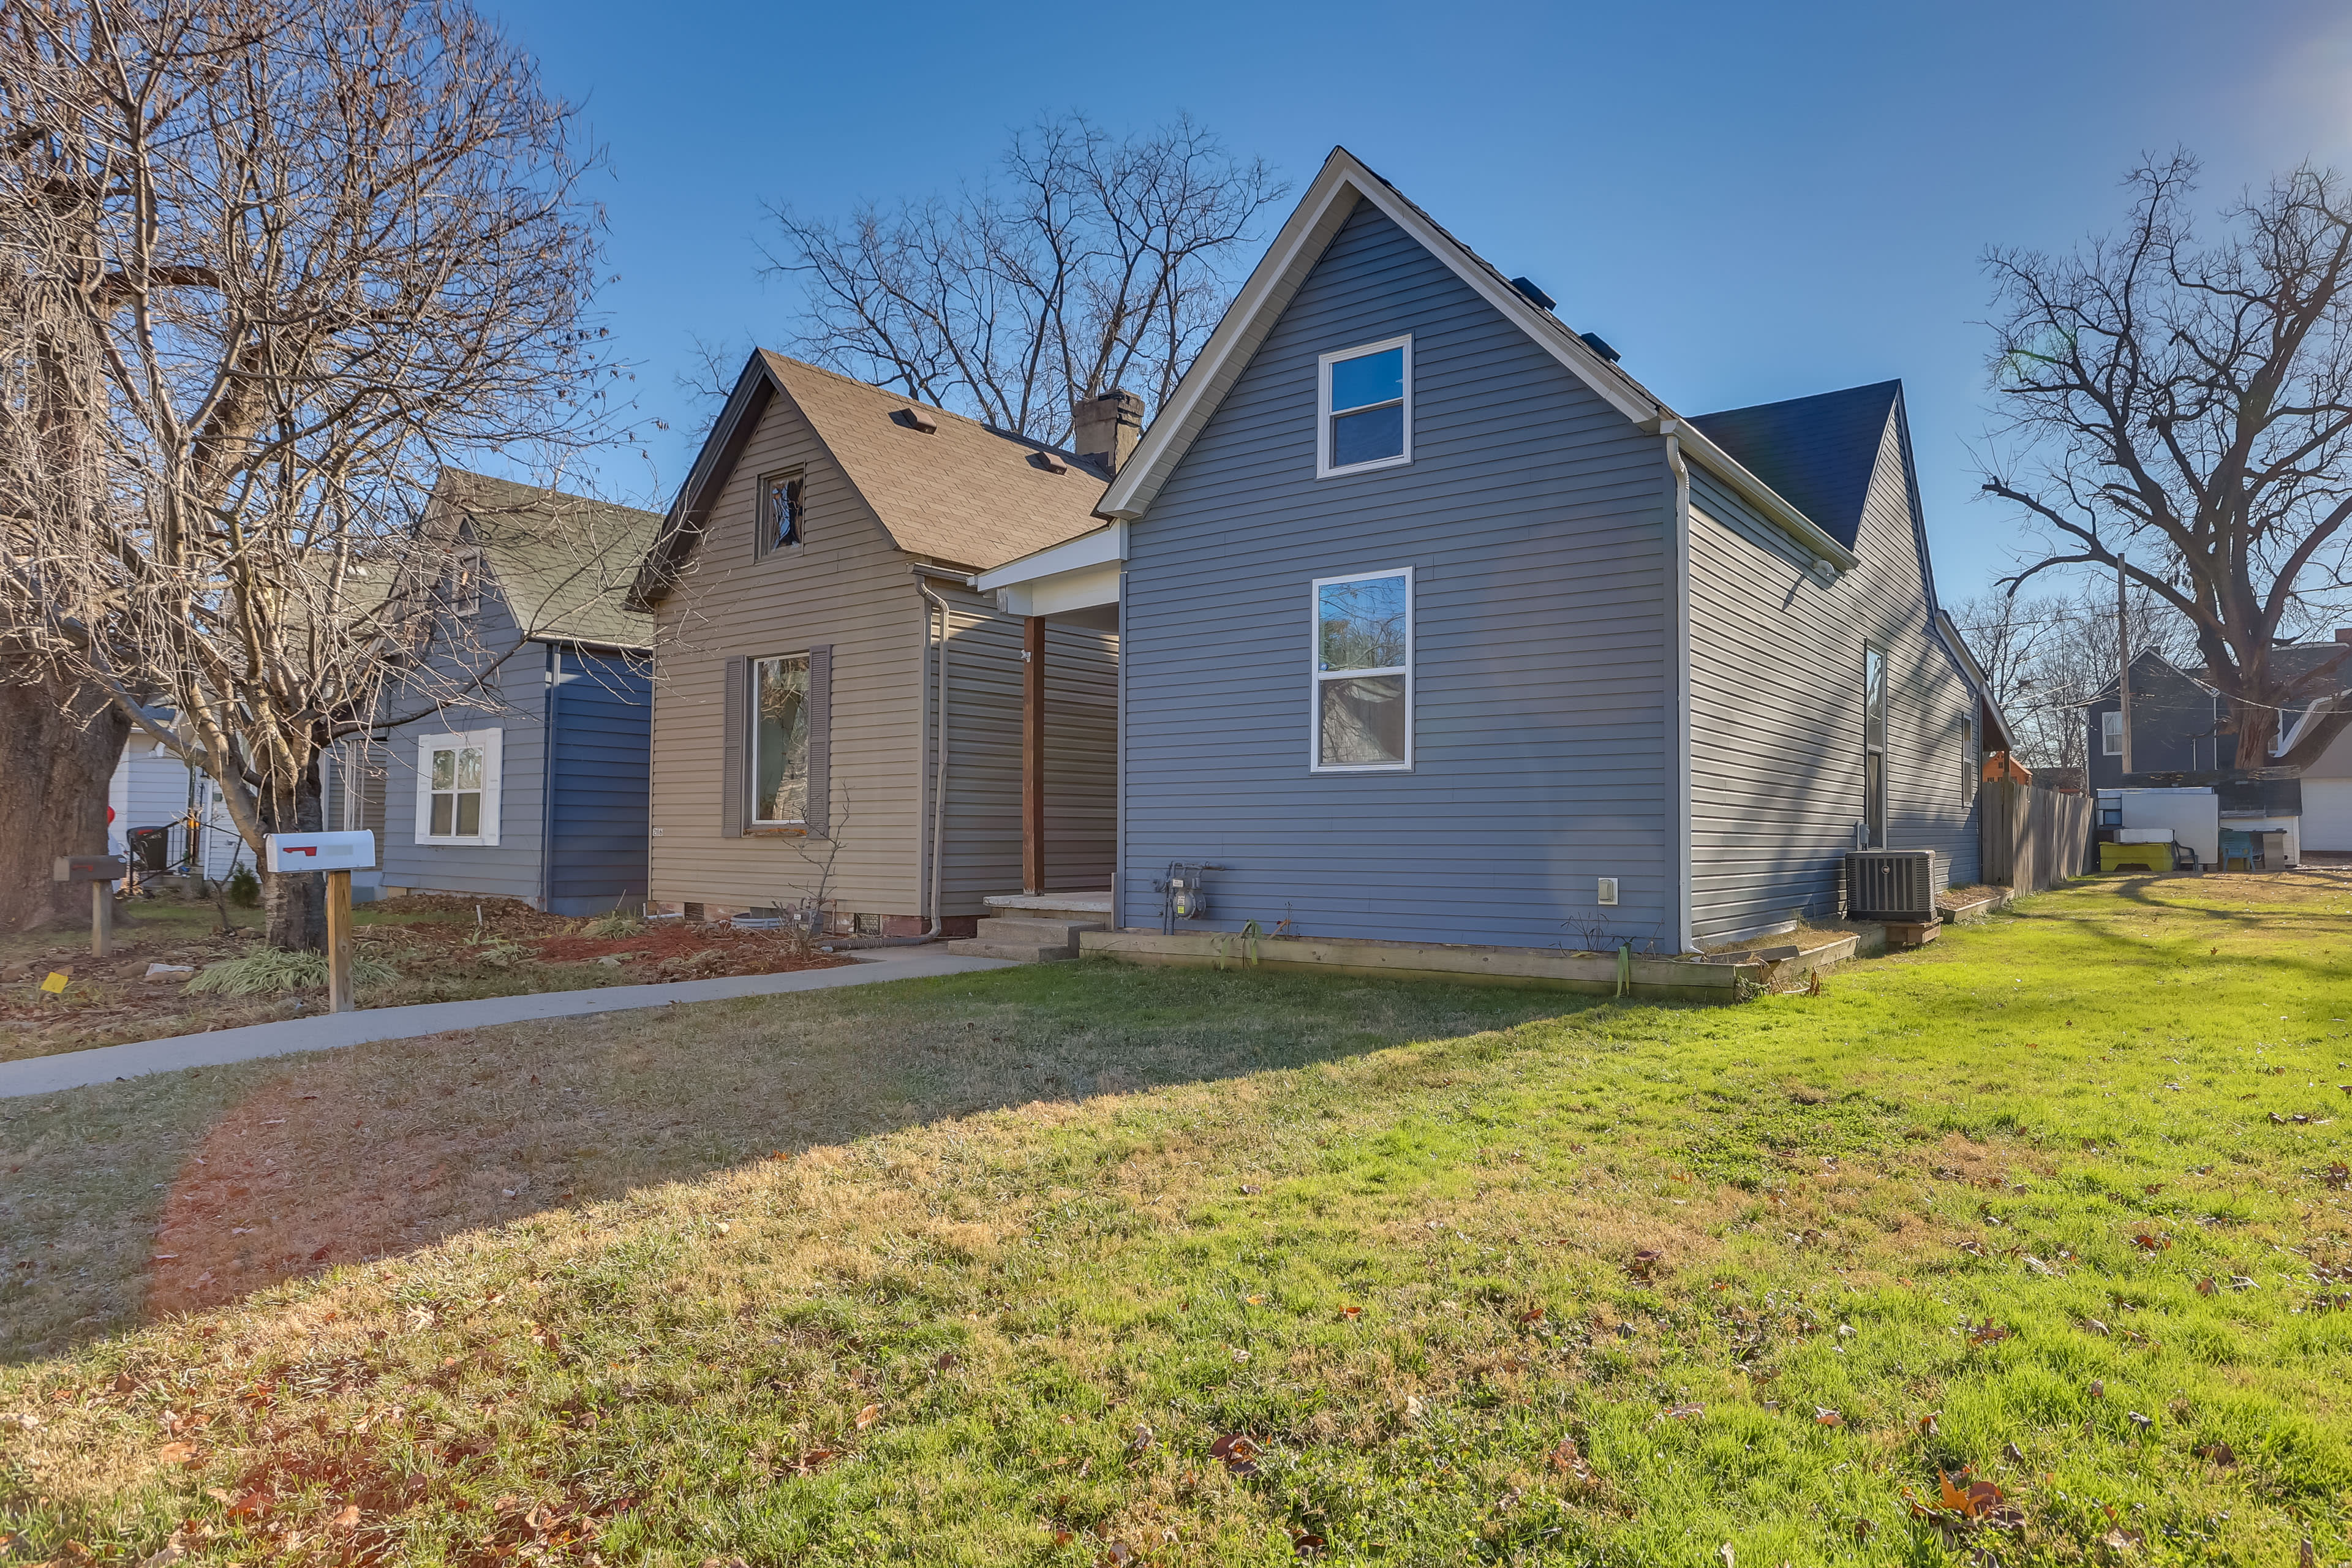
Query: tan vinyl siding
{"type": "Point", "coordinates": [1777, 709]}
{"type": "Point", "coordinates": [847, 585]}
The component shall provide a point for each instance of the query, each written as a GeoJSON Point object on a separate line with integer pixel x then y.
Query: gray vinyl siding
{"type": "Point", "coordinates": [1776, 709]}
{"type": "Point", "coordinates": [2174, 726]}
{"type": "Point", "coordinates": [1533, 517]}
{"type": "Point", "coordinates": [512, 698]}
{"type": "Point", "coordinates": [983, 841]}
{"type": "Point", "coordinates": [848, 586]}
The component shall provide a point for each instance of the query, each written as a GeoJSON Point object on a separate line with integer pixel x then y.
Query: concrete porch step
{"type": "Point", "coordinates": [1018, 951]}
{"type": "Point", "coordinates": [1076, 908]}
{"type": "Point", "coordinates": [1045, 932]}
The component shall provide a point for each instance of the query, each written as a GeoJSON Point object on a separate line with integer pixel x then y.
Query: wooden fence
{"type": "Point", "coordinates": [2033, 838]}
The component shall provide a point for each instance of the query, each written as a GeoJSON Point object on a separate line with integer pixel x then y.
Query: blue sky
{"type": "Point", "coordinates": [1750, 201]}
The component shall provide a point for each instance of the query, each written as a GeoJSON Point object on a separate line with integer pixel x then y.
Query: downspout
{"type": "Point", "coordinates": [1679, 521]}
{"type": "Point", "coordinates": [927, 868]}
{"type": "Point", "coordinates": [555, 676]}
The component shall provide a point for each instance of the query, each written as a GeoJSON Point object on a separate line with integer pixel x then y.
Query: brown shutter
{"type": "Point", "coordinates": [819, 740]}
{"type": "Point", "coordinates": [735, 707]}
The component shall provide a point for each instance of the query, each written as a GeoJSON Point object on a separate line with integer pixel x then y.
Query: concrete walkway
{"type": "Point", "coordinates": [45, 1075]}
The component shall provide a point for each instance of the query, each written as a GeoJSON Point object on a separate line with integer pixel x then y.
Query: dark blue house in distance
{"type": "Point", "coordinates": [526, 777]}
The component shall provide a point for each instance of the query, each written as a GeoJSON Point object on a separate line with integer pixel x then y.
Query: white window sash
{"type": "Point", "coordinates": [1324, 412]}
{"type": "Point", "coordinates": [2111, 734]}
{"type": "Point", "coordinates": [1318, 676]}
{"type": "Point", "coordinates": [488, 741]}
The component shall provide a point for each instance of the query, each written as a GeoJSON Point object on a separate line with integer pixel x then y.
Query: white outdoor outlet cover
{"type": "Point", "coordinates": [1608, 894]}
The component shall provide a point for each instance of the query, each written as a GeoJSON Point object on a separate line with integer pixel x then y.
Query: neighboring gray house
{"type": "Point", "coordinates": [523, 774]}
{"type": "Point", "coordinates": [1436, 625]}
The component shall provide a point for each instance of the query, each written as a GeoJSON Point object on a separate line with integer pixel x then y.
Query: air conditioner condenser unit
{"type": "Point", "coordinates": [1891, 885]}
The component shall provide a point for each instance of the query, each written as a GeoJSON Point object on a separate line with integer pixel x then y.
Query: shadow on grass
{"type": "Point", "coordinates": [137, 1200]}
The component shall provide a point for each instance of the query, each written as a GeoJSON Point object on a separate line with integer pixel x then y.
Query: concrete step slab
{"type": "Point", "coordinates": [1014, 951]}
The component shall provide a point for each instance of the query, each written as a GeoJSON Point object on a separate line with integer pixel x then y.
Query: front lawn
{"type": "Point", "coordinates": [1086, 1264]}
{"type": "Point", "coordinates": [421, 948]}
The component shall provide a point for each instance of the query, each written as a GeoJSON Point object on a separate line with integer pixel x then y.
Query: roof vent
{"type": "Point", "coordinates": [1599, 345]}
{"type": "Point", "coordinates": [921, 419]}
{"type": "Point", "coordinates": [1527, 285]}
{"type": "Point", "coordinates": [1052, 462]}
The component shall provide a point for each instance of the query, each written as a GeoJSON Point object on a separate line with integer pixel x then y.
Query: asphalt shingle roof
{"type": "Point", "coordinates": [966, 493]}
{"type": "Point", "coordinates": [1817, 452]}
{"type": "Point", "coordinates": [563, 561]}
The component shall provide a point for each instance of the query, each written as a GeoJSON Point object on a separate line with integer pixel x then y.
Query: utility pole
{"type": "Point", "coordinates": [2122, 664]}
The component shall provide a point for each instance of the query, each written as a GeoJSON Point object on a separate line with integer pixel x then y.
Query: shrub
{"type": "Point", "coordinates": [244, 888]}
{"type": "Point", "coordinates": [259, 973]}
{"type": "Point", "coordinates": [617, 924]}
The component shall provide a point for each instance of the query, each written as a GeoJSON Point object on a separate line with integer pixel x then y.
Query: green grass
{"type": "Point", "coordinates": [1048, 1234]}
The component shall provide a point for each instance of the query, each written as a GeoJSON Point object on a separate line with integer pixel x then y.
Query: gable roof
{"type": "Point", "coordinates": [563, 561]}
{"type": "Point", "coordinates": [1329, 200]}
{"type": "Point", "coordinates": [1820, 452]}
{"type": "Point", "coordinates": [966, 494]}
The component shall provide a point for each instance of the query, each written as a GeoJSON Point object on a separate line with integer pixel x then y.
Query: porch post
{"type": "Point", "coordinates": [1032, 755]}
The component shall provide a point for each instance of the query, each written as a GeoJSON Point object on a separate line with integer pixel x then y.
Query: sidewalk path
{"type": "Point", "coordinates": [72, 1069]}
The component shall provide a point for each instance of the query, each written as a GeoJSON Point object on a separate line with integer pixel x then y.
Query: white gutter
{"type": "Point", "coordinates": [1678, 522]}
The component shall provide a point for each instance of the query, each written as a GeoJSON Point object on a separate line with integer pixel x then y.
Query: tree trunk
{"type": "Point", "coordinates": [60, 740]}
{"type": "Point", "coordinates": [295, 902]}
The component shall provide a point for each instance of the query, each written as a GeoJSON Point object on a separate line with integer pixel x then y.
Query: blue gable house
{"type": "Point", "coordinates": [1438, 627]}
{"type": "Point", "coordinates": [522, 769]}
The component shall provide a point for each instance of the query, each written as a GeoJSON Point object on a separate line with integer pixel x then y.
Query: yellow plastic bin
{"type": "Point", "coordinates": [2151, 857]}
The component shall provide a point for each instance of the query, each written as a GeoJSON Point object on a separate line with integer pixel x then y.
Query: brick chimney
{"type": "Point", "coordinates": [2344, 634]}
{"type": "Point", "coordinates": [1104, 428]}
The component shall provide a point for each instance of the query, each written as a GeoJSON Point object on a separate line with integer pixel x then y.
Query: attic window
{"type": "Point", "coordinates": [921, 419]}
{"type": "Point", "coordinates": [780, 512]}
{"type": "Point", "coordinates": [462, 587]}
{"type": "Point", "coordinates": [1366, 400]}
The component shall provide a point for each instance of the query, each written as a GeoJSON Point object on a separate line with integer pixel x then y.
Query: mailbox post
{"type": "Point", "coordinates": [101, 871]}
{"type": "Point", "coordinates": [338, 855]}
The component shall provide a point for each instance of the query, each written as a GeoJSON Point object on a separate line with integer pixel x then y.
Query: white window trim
{"type": "Point", "coordinates": [1323, 468]}
{"type": "Point", "coordinates": [756, 823]}
{"type": "Point", "coordinates": [1317, 675]}
{"type": "Point", "coordinates": [2111, 733]}
{"type": "Point", "coordinates": [492, 775]}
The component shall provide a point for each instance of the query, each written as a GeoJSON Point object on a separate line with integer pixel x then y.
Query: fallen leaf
{"type": "Point", "coordinates": [1643, 1264]}
{"type": "Point", "coordinates": [1722, 1555]}
{"type": "Point", "coordinates": [2098, 1388]}
{"type": "Point", "coordinates": [1825, 1416]}
{"type": "Point", "coordinates": [1255, 1300]}
{"type": "Point", "coordinates": [1567, 1459]}
{"type": "Point", "coordinates": [348, 1518]}
{"type": "Point", "coordinates": [868, 1416]}
{"type": "Point", "coordinates": [816, 1458]}
{"type": "Point", "coordinates": [1927, 1425]}
{"type": "Point", "coordinates": [2147, 1243]}
{"type": "Point", "coordinates": [2206, 1286]}
{"type": "Point", "coordinates": [1987, 1333]}
{"type": "Point", "coordinates": [1237, 1453]}
{"type": "Point", "coordinates": [2012, 1453]}
{"type": "Point", "coordinates": [1532, 1315]}
{"type": "Point", "coordinates": [1686, 1412]}
{"type": "Point", "coordinates": [1864, 1530]}
{"type": "Point", "coordinates": [2122, 1540]}
{"type": "Point", "coordinates": [177, 1453]}
{"type": "Point", "coordinates": [1349, 1314]}
{"type": "Point", "coordinates": [2217, 1454]}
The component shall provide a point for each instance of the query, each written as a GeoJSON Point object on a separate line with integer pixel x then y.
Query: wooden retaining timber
{"type": "Point", "coordinates": [1651, 979]}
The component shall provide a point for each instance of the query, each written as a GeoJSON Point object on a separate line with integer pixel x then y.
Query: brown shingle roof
{"type": "Point", "coordinates": [964, 493]}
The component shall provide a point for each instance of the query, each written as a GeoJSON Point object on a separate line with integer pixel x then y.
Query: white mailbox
{"type": "Point", "coordinates": [320, 851]}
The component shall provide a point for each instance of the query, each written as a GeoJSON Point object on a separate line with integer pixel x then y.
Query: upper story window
{"type": "Point", "coordinates": [1363, 671]}
{"type": "Point", "coordinates": [2111, 734]}
{"type": "Point", "coordinates": [780, 512]}
{"type": "Point", "coordinates": [463, 585]}
{"type": "Point", "coordinates": [1365, 401]}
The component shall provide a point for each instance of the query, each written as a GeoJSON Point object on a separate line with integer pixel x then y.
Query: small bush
{"type": "Point", "coordinates": [244, 888]}
{"type": "Point", "coordinates": [259, 973]}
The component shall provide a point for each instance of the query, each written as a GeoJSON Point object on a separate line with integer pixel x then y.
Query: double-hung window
{"type": "Point", "coordinates": [1363, 672]}
{"type": "Point", "coordinates": [1365, 408]}
{"type": "Point", "coordinates": [779, 742]}
{"type": "Point", "coordinates": [458, 787]}
{"type": "Point", "coordinates": [1873, 745]}
{"type": "Point", "coordinates": [2111, 734]}
{"type": "Point", "coordinates": [780, 512]}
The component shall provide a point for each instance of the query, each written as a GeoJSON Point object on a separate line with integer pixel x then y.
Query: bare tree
{"type": "Point", "coordinates": [2186, 408]}
{"type": "Point", "coordinates": [1097, 263]}
{"type": "Point", "coordinates": [2049, 656]}
{"type": "Point", "coordinates": [299, 252]}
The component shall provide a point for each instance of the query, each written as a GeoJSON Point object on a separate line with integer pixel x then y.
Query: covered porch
{"type": "Point", "coordinates": [1073, 583]}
